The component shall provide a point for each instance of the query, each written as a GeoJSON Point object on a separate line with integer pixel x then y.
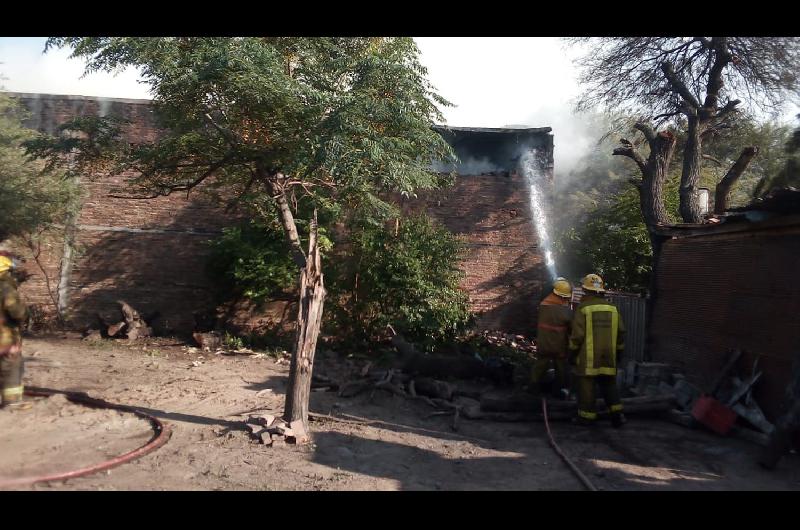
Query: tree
{"type": "Point", "coordinates": [690, 83]}
{"type": "Point", "coordinates": [331, 123]}
{"type": "Point", "coordinates": [33, 199]}
{"type": "Point", "coordinates": [599, 216]}
{"type": "Point", "coordinates": [788, 175]}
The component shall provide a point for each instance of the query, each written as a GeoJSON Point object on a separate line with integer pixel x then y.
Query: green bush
{"type": "Point", "coordinates": [406, 276]}
{"type": "Point", "coordinates": [409, 279]}
{"type": "Point", "coordinates": [252, 261]}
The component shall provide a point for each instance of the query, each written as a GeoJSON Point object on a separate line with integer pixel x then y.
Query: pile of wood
{"type": "Point", "coordinates": [132, 326]}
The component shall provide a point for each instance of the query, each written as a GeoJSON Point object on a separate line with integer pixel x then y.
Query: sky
{"type": "Point", "coordinates": [493, 81]}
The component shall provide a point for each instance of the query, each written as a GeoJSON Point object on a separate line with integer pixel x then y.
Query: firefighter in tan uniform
{"type": "Point", "coordinates": [12, 315]}
{"type": "Point", "coordinates": [596, 340]}
{"type": "Point", "coordinates": [552, 338]}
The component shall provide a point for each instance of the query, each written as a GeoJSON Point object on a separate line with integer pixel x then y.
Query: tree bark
{"type": "Point", "coordinates": [309, 319]}
{"type": "Point", "coordinates": [730, 178]}
{"type": "Point", "coordinates": [287, 221]}
{"type": "Point", "coordinates": [690, 177]}
{"type": "Point", "coordinates": [654, 173]}
{"type": "Point", "coordinates": [662, 147]}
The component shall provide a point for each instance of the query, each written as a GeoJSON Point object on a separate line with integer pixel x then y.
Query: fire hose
{"type": "Point", "coordinates": [161, 435]}
{"type": "Point", "coordinates": [586, 482]}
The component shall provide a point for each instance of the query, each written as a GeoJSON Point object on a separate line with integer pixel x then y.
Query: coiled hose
{"type": "Point", "coordinates": [161, 435]}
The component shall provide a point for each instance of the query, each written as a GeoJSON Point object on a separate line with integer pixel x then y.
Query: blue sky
{"type": "Point", "coordinates": [493, 82]}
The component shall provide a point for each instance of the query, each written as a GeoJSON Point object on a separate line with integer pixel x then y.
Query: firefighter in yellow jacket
{"type": "Point", "coordinates": [552, 337]}
{"type": "Point", "coordinates": [12, 315]}
{"type": "Point", "coordinates": [596, 340]}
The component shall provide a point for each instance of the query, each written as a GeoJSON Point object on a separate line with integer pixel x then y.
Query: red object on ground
{"type": "Point", "coordinates": [713, 414]}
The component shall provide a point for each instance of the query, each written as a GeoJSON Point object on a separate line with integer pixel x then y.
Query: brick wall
{"type": "Point", "coordinates": [505, 271]}
{"type": "Point", "coordinates": [152, 253]}
{"type": "Point", "coordinates": [721, 291]}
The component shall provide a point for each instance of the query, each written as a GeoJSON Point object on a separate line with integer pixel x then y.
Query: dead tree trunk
{"type": "Point", "coordinates": [309, 319]}
{"type": "Point", "coordinates": [730, 178]}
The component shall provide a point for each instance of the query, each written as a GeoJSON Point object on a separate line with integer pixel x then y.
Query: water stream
{"type": "Point", "coordinates": [531, 169]}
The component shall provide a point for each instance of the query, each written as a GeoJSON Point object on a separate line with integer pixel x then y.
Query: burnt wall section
{"type": "Point", "coordinates": [489, 207]}
{"type": "Point", "coordinates": [496, 150]}
{"type": "Point", "coordinates": [722, 291]}
{"type": "Point", "coordinates": [150, 253]}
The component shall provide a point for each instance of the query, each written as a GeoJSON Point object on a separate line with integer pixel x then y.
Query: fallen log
{"type": "Point", "coordinates": [433, 388]}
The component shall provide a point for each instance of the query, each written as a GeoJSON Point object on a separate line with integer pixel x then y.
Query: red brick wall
{"type": "Point", "coordinates": [722, 291]}
{"type": "Point", "coordinates": [505, 272]}
{"type": "Point", "coordinates": [151, 253]}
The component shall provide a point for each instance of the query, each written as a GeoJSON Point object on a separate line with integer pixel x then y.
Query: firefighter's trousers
{"type": "Point", "coordinates": [11, 377]}
{"type": "Point", "coordinates": [586, 395]}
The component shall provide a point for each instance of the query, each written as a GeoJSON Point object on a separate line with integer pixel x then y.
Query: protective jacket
{"type": "Point", "coordinates": [553, 328]}
{"type": "Point", "coordinates": [12, 313]}
{"type": "Point", "coordinates": [597, 337]}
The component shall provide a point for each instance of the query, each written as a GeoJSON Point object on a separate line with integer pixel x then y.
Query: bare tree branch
{"type": "Point", "coordinates": [679, 86]}
{"type": "Point", "coordinates": [730, 178]}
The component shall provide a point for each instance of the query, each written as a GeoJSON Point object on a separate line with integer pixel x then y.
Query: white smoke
{"type": "Point", "coordinates": [470, 166]}
{"type": "Point", "coordinates": [574, 135]}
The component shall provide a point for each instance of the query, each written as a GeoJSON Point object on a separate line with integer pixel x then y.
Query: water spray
{"type": "Point", "coordinates": [537, 183]}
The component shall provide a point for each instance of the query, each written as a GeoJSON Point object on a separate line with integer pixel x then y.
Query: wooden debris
{"type": "Point", "coordinates": [114, 329]}
{"type": "Point", "coordinates": [527, 402]}
{"type": "Point", "coordinates": [210, 341]}
{"type": "Point", "coordinates": [136, 327]}
{"type": "Point", "coordinates": [433, 388]}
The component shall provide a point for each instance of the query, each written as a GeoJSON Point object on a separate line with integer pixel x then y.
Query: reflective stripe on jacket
{"type": "Point", "coordinates": [12, 312]}
{"type": "Point", "coordinates": [553, 327]}
{"type": "Point", "coordinates": [598, 336]}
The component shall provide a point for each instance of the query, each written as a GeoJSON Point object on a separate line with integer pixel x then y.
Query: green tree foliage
{"type": "Point", "coordinates": [613, 241]}
{"type": "Point", "coordinates": [788, 175]}
{"type": "Point", "coordinates": [251, 260]}
{"type": "Point", "coordinates": [407, 278]}
{"type": "Point", "coordinates": [770, 137]}
{"type": "Point", "coordinates": [32, 199]}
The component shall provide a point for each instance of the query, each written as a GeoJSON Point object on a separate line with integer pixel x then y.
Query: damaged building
{"type": "Point", "coordinates": [152, 253]}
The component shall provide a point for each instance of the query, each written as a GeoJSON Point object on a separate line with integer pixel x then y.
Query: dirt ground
{"type": "Point", "coordinates": [204, 398]}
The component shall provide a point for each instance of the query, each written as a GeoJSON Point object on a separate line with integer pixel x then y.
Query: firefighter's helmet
{"type": "Point", "coordinates": [6, 263]}
{"type": "Point", "coordinates": [562, 288]}
{"type": "Point", "coordinates": [593, 282]}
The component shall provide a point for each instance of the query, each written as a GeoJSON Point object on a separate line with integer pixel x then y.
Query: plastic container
{"type": "Point", "coordinates": [713, 415]}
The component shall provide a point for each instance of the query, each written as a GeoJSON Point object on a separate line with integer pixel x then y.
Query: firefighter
{"type": "Point", "coordinates": [552, 338]}
{"type": "Point", "coordinates": [12, 315]}
{"type": "Point", "coordinates": [596, 340]}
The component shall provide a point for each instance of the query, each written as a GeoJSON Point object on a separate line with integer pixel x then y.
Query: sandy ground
{"type": "Point", "coordinates": [204, 398]}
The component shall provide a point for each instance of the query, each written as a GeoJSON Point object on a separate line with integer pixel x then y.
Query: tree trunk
{"type": "Point", "coordinates": [652, 190]}
{"type": "Point", "coordinates": [309, 319]}
{"type": "Point", "coordinates": [730, 178]}
{"type": "Point", "coordinates": [690, 177]}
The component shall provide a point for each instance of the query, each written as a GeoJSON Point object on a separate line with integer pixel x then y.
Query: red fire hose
{"type": "Point", "coordinates": [161, 435]}
{"type": "Point", "coordinates": [586, 482]}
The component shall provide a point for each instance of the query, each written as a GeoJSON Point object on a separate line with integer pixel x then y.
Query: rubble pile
{"type": "Point", "coordinates": [515, 342]}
